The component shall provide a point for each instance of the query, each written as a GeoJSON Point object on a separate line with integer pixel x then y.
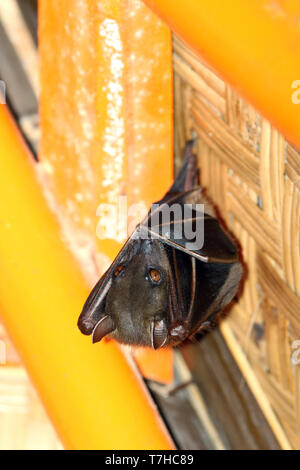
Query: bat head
{"type": "Point", "coordinates": [138, 297]}
{"type": "Point", "coordinates": [131, 301]}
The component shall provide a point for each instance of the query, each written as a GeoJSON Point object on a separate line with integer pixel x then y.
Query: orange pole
{"type": "Point", "coordinates": [106, 120]}
{"type": "Point", "coordinates": [254, 44]}
{"type": "Point", "coordinates": [106, 108]}
{"type": "Point", "coordinates": [94, 398]}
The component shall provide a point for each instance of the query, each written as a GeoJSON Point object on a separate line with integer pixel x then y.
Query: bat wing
{"type": "Point", "coordinates": [187, 177]}
{"type": "Point", "coordinates": [211, 242]}
{"type": "Point", "coordinates": [215, 246]}
{"type": "Point", "coordinates": [189, 229]}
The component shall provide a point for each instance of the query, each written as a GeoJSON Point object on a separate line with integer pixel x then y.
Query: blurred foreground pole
{"type": "Point", "coordinates": [106, 123]}
{"type": "Point", "coordinates": [92, 395]}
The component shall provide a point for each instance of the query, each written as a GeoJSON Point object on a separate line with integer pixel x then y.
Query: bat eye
{"type": "Point", "coordinates": [155, 275]}
{"type": "Point", "coordinates": [118, 270]}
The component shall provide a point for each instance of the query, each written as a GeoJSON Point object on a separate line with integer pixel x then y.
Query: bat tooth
{"type": "Point", "coordinates": [104, 326]}
{"type": "Point", "coordinates": [159, 334]}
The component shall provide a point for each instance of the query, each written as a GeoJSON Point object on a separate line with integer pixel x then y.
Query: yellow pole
{"type": "Point", "coordinates": [106, 111]}
{"type": "Point", "coordinates": [94, 398]}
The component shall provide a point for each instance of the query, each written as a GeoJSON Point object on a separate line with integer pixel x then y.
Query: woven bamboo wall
{"type": "Point", "coordinates": [253, 176]}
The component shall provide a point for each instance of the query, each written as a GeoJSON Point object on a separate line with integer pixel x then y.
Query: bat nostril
{"type": "Point", "coordinates": [85, 326]}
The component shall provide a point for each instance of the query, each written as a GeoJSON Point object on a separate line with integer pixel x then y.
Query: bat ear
{"type": "Point", "coordinates": [159, 334]}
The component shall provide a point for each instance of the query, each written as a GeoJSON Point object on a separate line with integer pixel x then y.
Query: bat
{"type": "Point", "coordinates": [164, 286]}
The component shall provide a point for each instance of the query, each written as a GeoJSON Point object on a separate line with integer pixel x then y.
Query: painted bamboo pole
{"type": "Point", "coordinates": [106, 122]}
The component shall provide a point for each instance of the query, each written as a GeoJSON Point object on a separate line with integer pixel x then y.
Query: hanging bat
{"type": "Point", "coordinates": [162, 288]}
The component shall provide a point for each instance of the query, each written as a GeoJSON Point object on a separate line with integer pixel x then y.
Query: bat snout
{"type": "Point", "coordinates": [85, 326]}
